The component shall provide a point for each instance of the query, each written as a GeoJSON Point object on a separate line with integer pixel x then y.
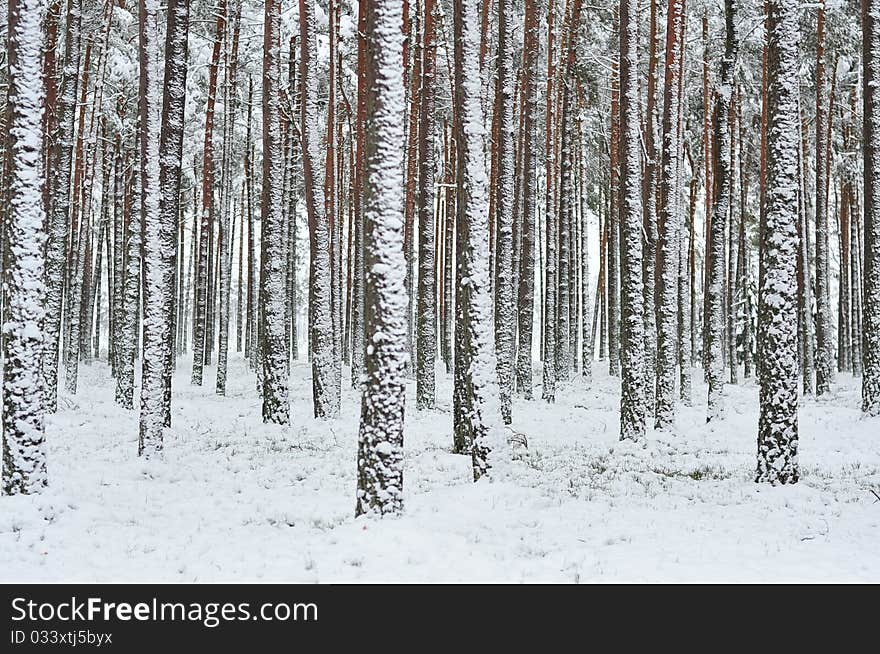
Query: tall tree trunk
{"type": "Point", "coordinates": [505, 309]}
{"type": "Point", "coordinates": [824, 336]}
{"type": "Point", "coordinates": [777, 425]}
{"type": "Point", "coordinates": [669, 224]}
{"type": "Point", "coordinates": [273, 347]}
{"type": "Point", "coordinates": [720, 210]}
{"type": "Point", "coordinates": [632, 400]}
{"type": "Point", "coordinates": [426, 327]}
{"type": "Point", "coordinates": [871, 270]}
{"type": "Point", "coordinates": [476, 392]}
{"type": "Point", "coordinates": [59, 201]}
{"type": "Point", "coordinates": [325, 392]}
{"type": "Point", "coordinates": [526, 290]}
{"type": "Point", "coordinates": [380, 438]}
{"type": "Point", "coordinates": [24, 457]}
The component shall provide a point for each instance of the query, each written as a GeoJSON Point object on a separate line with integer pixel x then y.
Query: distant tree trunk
{"type": "Point", "coordinates": [321, 336]}
{"type": "Point", "coordinates": [548, 390]}
{"type": "Point", "coordinates": [380, 439]}
{"type": "Point", "coordinates": [612, 248]}
{"type": "Point", "coordinates": [276, 407]}
{"type": "Point", "coordinates": [824, 336]}
{"type": "Point", "coordinates": [669, 224]}
{"type": "Point", "coordinates": [426, 327]}
{"type": "Point", "coordinates": [357, 272]}
{"type": "Point", "coordinates": [650, 261]}
{"type": "Point", "coordinates": [227, 236]}
{"type": "Point", "coordinates": [476, 392]}
{"type": "Point", "coordinates": [720, 210]}
{"type": "Point", "coordinates": [128, 321]}
{"type": "Point", "coordinates": [59, 201]}
{"type": "Point", "coordinates": [805, 287]}
{"type": "Point", "coordinates": [632, 400]}
{"type": "Point", "coordinates": [505, 308]}
{"type": "Point", "coordinates": [201, 326]}
{"type": "Point", "coordinates": [871, 270]}
{"type": "Point", "coordinates": [526, 290]}
{"type": "Point", "coordinates": [24, 260]}
{"type": "Point", "coordinates": [777, 426]}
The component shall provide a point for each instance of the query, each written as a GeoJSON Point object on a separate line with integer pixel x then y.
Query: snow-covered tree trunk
{"type": "Point", "coordinates": [526, 283]}
{"type": "Point", "coordinates": [721, 198]}
{"type": "Point", "coordinates": [171, 156]}
{"type": "Point", "coordinates": [777, 424]}
{"type": "Point", "coordinates": [201, 305]}
{"type": "Point", "coordinates": [380, 439]}
{"type": "Point", "coordinates": [477, 390]}
{"type": "Point", "coordinates": [321, 336]}
{"type": "Point", "coordinates": [669, 224]}
{"type": "Point", "coordinates": [276, 407]}
{"type": "Point", "coordinates": [650, 261]}
{"type": "Point", "coordinates": [824, 335]}
{"type": "Point", "coordinates": [227, 234]}
{"type": "Point", "coordinates": [426, 317]}
{"type": "Point", "coordinates": [632, 351]}
{"type": "Point", "coordinates": [128, 319]}
{"type": "Point", "coordinates": [548, 378]}
{"type": "Point", "coordinates": [24, 260]}
{"type": "Point", "coordinates": [357, 269]}
{"type": "Point", "coordinates": [871, 244]}
{"type": "Point", "coordinates": [505, 308]}
{"type": "Point", "coordinates": [612, 246]}
{"type": "Point", "coordinates": [157, 325]}
{"type": "Point", "coordinates": [59, 201]}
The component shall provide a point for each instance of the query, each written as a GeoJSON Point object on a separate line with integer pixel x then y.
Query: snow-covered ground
{"type": "Point", "coordinates": [236, 500]}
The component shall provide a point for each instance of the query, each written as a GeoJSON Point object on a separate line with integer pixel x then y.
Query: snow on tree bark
{"type": "Point", "coordinates": [669, 225]}
{"type": "Point", "coordinates": [24, 457]}
{"type": "Point", "coordinates": [632, 399]}
{"type": "Point", "coordinates": [380, 438]}
{"type": "Point", "coordinates": [128, 320]}
{"type": "Point", "coordinates": [871, 242]}
{"type": "Point", "coordinates": [476, 391]}
{"type": "Point", "coordinates": [426, 317]}
{"type": "Point", "coordinates": [171, 155]}
{"type": "Point", "coordinates": [59, 201]}
{"type": "Point", "coordinates": [721, 198]}
{"type": "Point", "coordinates": [548, 378]}
{"type": "Point", "coordinates": [324, 387]}
{"type": "Point", "coordinates": [276, 406]}
{"type": "Point", "coordinates": [526, 283]}
{"type": "Point", "coordinates": [824, 335]}
{"type": "Point", "coordinates": [777, 343]}
{"type": "Point", "coordinates": [505, 309]}
{"type": "Point", "coordinates": [157, 324]}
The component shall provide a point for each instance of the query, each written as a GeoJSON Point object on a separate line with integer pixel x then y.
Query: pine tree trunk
{"type": "Point", "coordinates": [669, 225]}
{"type": "Point", "coordinates": [59, 202]}
{"type": "Point", "coordinates": [202, 303]}
{"type": "Point", "coordinates": [476, 391]}
{"type": "Point", "coordinates": [871, 270]}
{"type": "Point", "coordinates": [526, 286]}
{"type": "Point", "coordinates": [632, 400]}
{"type": "Point", "coordinates": [720, 210]}
{"type": "Point", "coordinates": [24, 457]}
{"type": "Point", "coordinates": [276, 407]}
{"type": "Point", "coordinates": [157, 324]}
{"type": "Point", "coordinates": [426, 327]}
{"type": "Point", "coordinates": [777, 426]}
{"type": "Point", "coordinates": [322, 339]}
{"type": "Point", "coordinates": [824, 335]}
{"type": "Point", "coordinates": [380, 438]}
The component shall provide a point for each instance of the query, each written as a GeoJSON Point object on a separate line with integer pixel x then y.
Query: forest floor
{"type": "Point", "coordinates": [236, 500]}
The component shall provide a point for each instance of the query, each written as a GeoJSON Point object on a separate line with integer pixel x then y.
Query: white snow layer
{"type": "Point", "coordinates": [237, 500]}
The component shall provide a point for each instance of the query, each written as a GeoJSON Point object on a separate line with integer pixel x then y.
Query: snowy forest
{"type": "Point", "coordinates": [569, 290]}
